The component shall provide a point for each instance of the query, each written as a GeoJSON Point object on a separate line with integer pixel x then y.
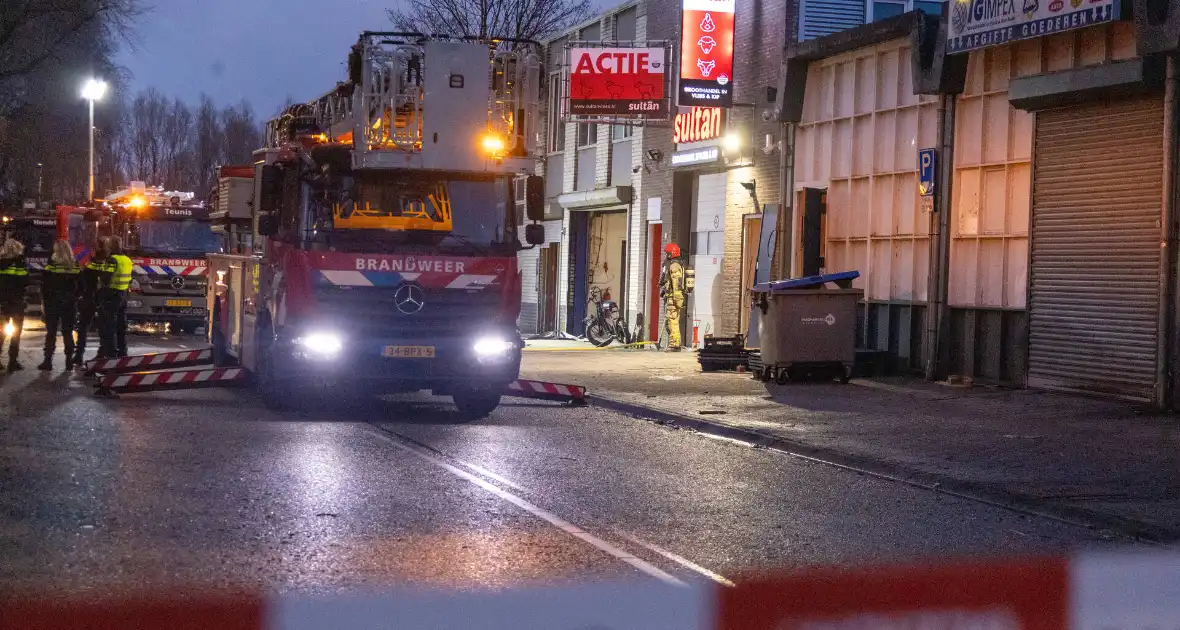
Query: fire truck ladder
{"type": "Point", "coordinates": [193, 369]}
{"type": "Point", "coordinates": [380, 107]}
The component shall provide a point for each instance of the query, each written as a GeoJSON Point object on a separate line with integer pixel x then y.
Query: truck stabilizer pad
{"type": "Point", "coordinates": [180, 379]}
{"type": "Point", "coordinates": [138, 363]}
{"type": "Point", "coordinates": [546, 391]}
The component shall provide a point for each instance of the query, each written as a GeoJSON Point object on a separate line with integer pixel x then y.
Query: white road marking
{"type": "Point", "coordinates": [491, 475]}
{"type": "Point", "coordinates": [722, 438]}
{"type": "Point", "coordinates": [545, 515]}
{"type": "Point", "coordinates": [681, 560]}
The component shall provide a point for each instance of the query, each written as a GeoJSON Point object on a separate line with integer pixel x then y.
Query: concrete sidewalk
{"type": "Point", "coordinates": [1085, 460]}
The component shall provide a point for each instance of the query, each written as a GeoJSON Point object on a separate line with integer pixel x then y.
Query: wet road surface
{"type": "Point", "coordinates": [208, 489]}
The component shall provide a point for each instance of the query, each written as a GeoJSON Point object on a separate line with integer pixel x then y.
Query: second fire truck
{"type": "Point", "coordinates": [378, 252]}
{"type": "Point", "coordinates": [168, 237]}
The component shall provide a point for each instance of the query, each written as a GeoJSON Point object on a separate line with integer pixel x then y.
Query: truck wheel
{"type": "Point", "coordinates": [276, 395]}
{"type": "Point", "coordinates": [474, 404]}
{"type": "Point", "coordinates": [189, 328]}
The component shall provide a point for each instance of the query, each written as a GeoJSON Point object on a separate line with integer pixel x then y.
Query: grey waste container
{"type": "Point", "coordinates": [807, 329]}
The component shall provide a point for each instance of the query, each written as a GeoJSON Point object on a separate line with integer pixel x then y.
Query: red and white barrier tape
{"type": "Point", "coordinates": [541, 389]}
{"type": "Point", "coordinates": [143, 381]}
{"type": "Point", "coordinates": [149, 361]}
{"type": "Point", "coordinates": [1093, 591]}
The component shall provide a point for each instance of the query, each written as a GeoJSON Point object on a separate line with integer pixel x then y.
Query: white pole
{"type": "Point", "coordinates": [91, 197]}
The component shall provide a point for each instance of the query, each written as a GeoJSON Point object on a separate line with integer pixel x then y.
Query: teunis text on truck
{"type": "Point", "coordinates": [378, 251]}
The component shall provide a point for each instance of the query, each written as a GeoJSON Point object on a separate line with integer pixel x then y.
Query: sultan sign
{"type": "Point", "coordinates": [706, 53]}
{"type": "Point", "coordinates": [981, 23]}
{"type": "Point", "coordinates": [617, 82]}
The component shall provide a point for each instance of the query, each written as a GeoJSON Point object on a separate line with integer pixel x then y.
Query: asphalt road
{"type": "Point", "coordinates": [208, 489]}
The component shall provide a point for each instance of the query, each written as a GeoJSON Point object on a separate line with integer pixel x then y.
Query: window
{"type": "Point", "coordinates": [885, 9]}
{"type": "Point", "coordinates": [930, 8]}
{"type": "Point", "coordinates": [556, 127]}
{"type": "Point", "coordinates": [621, 132]}
{"type": "Point", "coordinates": [587, 134]}
{"type": "Point", "coordinates": [591, 33]}
{"type": "Point", "coordinates": [625, 25]}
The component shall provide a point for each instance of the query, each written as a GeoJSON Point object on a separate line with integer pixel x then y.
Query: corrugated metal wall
{"type": "Point", "coordinates": [824, 17]}
{"type": "Point", "coordinates": [1097, 203]}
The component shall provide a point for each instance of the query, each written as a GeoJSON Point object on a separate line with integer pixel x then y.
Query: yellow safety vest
{"type": "Point", "coordinates": [121, 278]}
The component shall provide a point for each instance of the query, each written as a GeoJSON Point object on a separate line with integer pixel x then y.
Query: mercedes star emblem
{"type": "Point", "coordinates": [177, 282]}
{"type": "Point", "coordinates": [409, 298]}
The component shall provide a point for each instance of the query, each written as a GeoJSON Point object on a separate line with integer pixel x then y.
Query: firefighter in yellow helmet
{"type": "Point", "coordinates": [672, 290]}
{"type": "Point", "coordinates": [112, 304]}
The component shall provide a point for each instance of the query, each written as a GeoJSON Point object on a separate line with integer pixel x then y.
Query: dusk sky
{"type": "Point", "coordinates": [260, 50]}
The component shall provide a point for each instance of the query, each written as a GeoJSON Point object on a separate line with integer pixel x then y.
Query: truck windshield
{"type": "Point", "coordinates": [378, 210]}
{"type": "Point", "coordinates": [176, 237]}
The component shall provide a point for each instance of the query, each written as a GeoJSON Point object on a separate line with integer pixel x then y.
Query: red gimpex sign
{"type": "Point", "coordinates": [706, 53]}
{"type": "Point", "coordinates": [617, 82]}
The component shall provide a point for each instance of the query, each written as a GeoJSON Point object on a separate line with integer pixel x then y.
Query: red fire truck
{"type": "Point", "coordinates": [378, 251]}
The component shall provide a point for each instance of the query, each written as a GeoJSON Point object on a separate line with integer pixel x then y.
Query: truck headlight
{"type": "Point", "coordinates": [493, 349]}
{"type": "Point", "coordinates": [325, 345]}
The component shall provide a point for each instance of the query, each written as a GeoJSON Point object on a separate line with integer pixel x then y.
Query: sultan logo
{"type": "Point", "coordinates": [707, 44]}
{"type": "Point", "coordinates": [706, 67]}
{"type": "Point", "coordinates": [707, 24]}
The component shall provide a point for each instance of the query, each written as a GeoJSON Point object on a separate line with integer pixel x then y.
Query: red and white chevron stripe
{"type": "Point", "coordinates": [145, 361]}
{"type": "Point", "coordinates": [148, 380]}
{"type": "Point", "coordinates": [541, 389]}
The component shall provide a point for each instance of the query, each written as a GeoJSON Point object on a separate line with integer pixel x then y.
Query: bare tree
{"type": "Point", "coordinates": [33, 31]}
{"type": "Point", "coordinates": [176, 138]}
{"type": "Point", "coordinates": [145, 128]}
{"type": "Point", "coordinates": [241, 132]}
{"type": "Point", "coordinates": [208, 144]}
{"type": "Point", "coordinates": [520, 19]}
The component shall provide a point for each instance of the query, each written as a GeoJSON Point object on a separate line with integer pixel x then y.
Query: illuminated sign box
{"type": "Point", "coordinates": [617, 82]}
{"type": "Point", "coordinates": [696, 156]}
{"type": "Point", "coordinates": [706, 53]}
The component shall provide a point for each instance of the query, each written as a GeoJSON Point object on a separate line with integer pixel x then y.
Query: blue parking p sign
{"type": "Point", "coordinates": [927, 163]}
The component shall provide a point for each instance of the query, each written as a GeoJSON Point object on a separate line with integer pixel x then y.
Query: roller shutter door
{"type": "Point", "coordinates": [1094, 285]}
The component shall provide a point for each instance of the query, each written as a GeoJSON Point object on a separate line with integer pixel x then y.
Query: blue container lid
{"type": "Point", "coordinates": [810, 282]}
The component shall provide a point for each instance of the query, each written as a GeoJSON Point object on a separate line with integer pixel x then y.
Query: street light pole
{"type": "Point", "coordinates": [92, 91]}
{"type": "Point", "coordinates": [90, 196]}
